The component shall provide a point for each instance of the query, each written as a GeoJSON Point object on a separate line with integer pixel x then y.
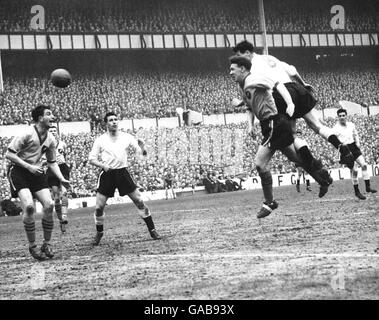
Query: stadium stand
{"type": "Point", "coordinates": [186, 16]}
{"type": "Point", "coordinates": [146, 94]}
{"type": "Point", "coordinates": [191, 151]}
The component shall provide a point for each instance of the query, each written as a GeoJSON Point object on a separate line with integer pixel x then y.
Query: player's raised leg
{"type": "Point", "coordinates": [311, 165]}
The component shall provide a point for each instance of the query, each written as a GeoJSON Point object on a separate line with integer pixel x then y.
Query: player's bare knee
{"type": "Point", "coordinates": [29, 210]}
{"type": "Point", "coordinates": [259, 166]}
{"type": "Point", "coordinates": [48, 206]}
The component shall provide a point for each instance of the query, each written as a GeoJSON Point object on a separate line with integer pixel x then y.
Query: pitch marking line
{"type": "Point", "coordinates": [217, 256]}
{"type": "Point", "coordinates": [326, 200]}
{"type": "Point", "coordinates": [183, 210]}
{"type": "Point", "coordinates": [364, 212]}
{"type": "Point", "coordinates": [265, 255]}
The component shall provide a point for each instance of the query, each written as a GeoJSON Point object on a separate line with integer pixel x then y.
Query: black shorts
{"type": "Point", "coordinates": [277, 132]}
{"type": "Point", "coordinates": [168, 183]}
{"type": "Point", "coordinates": [21, 178]}
{"type": "Point", "coordinates": [112, 179]}
{"type": "Point", "coordinates": [303, 99]}
{"type": "Point", "coordinates": [355, 150]}
{"type": "Point", "coordinates": [53, 180]}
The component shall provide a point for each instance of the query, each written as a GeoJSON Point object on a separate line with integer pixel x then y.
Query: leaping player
{"type": "Point", "coordinates": [301, 94]}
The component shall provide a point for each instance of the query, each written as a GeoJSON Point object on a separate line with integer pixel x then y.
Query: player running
{"type": "Point", "coordinates": [109, 152]}
{"type": "Point", "coordinates": [301, 94]}
{"type": "Point", "coordinates": [276, 129]}
{"type": "Point", "coordinates": [28, 178]}
{"type": "Point", "coordinates": [347, 133]}
{"type": "Point", "coordinates": [58, 190]}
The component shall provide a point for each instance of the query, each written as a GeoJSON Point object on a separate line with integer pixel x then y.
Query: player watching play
{"type": "Point", "coordinates": [109, 152]}
{"type": "Point", "coordinates": [348, 134]}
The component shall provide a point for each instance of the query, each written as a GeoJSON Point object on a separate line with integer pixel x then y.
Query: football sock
{"type": "Point", "coordinates": [149, 223]}
{"type": "Point", "coordinates": [58, 210]}
{"type": "Point", "coordinates": [266, 182]}
{"type": "Point", "coordinates": [30, 228]}
{"type": "Point", "coordinates": [99, 220]}
{"type": "Point", "coordinates": [356, 188]}
{"type": "Point", "coordinates": [47, 226]}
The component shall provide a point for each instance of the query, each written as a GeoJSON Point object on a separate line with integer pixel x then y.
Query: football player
{"type": "Point", "coordinates": [347, 133]}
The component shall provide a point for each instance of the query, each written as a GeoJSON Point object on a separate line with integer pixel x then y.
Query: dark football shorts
{"type": "Point", "coordinates": [168, 183]}
{"type": "Point", "coordinates": [303, 99]}
{"type": "Point", "coordinates": [53, 180]}
{"type": "Point", "coordinates": [117, 178]}
{"type": "Point", "coordinates": [356, 152]}
{"type": "Point", "coordinates": [21, 178]}
{"type": "Point", "coordinates": [277, 132]}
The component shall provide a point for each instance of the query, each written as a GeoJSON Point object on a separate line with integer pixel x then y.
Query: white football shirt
{"type": "Point", "coordinates": [113, 150]}
{"type": "Point", "coordinates": [346, 133]}
{"type": "Point", "coordinates": [272, 67]}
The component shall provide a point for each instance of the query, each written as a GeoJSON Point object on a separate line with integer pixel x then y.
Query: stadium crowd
{"type": "Point", "coordinates": [151, 94]}
{"type": "Point", "coordinates": [193, 152]}
{"type": "Point", "coordinates": [187, 16]}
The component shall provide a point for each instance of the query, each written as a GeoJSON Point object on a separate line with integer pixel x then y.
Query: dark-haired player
{"type": "Point", "coordinates": [276, 129]}
{"type": "Point", "coordinates": [28, 178]}
{"type": "Point", "coordinates": [301, 94]}
{"type": "Point", "coordinates": [347, 133]}
{"type": "Point", "coordinates": [109, 152]}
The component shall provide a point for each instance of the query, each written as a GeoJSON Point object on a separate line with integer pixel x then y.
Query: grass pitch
{"type": "Point", "coordinates": [214, 247]}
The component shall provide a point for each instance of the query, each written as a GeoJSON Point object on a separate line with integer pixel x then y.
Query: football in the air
{"type": "Point", "coordinates": [60, 78]}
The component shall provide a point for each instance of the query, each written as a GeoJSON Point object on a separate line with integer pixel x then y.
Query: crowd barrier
{"type": "Point", "coordinates": [250, 183]}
